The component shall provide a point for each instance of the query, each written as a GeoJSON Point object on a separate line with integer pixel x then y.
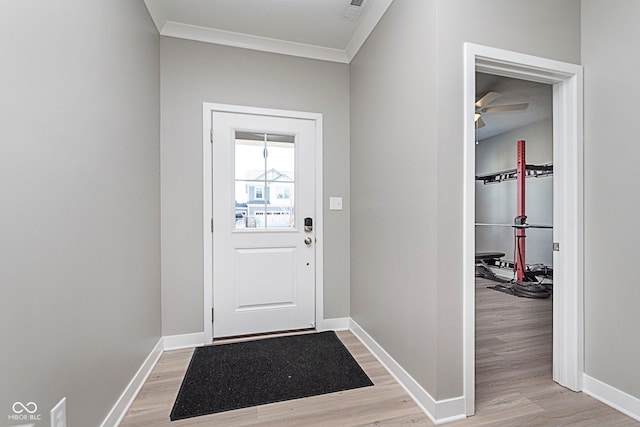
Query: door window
{"type": "Point", "coordinates": [264, 181]}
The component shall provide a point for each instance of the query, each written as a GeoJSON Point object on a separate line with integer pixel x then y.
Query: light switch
{"type": "Point", "coordinates": [335, 203]}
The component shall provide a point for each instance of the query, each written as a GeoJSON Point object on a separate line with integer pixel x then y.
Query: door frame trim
{"type": "Point", "coordinates": [568, 209]}
{"type": "Point", "coordinates": [208, 108]}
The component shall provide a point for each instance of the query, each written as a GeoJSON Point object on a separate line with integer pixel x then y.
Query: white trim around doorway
{"type": "Point", "coordinates": [568, 305]}
{"type": "Point", "coordinates": [207, 204]}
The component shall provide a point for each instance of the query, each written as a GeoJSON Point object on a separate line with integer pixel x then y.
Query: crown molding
{"type": "Point", "coordinates": [157, 13]}
{"type": "Point", "coordinates": [376, 9]}
{"type": "Point", "coordinates": [247, 41]}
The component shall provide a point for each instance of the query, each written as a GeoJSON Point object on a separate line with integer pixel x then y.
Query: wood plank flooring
{"type": "Point", "coordinates": [513, 383]}
{"type": "Point", "coordinates": [386, 402]}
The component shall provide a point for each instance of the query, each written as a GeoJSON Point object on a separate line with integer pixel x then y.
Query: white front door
{"type": "Point", "coordinates": [263, 195]}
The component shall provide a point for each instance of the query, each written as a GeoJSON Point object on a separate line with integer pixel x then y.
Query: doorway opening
{"type": "Point", "coordinates": [566, 82]}
{"type": "Point", "coordinates": [513, 237]}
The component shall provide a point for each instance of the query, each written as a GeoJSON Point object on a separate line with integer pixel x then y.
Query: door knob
{"type": "Point", "coordinates": [308, 241]}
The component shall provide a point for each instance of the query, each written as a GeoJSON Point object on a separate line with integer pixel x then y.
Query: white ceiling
{"type": "Point", "coordinates": [513, 91]}
{"type": "Point", "coordinates": [309, 28]}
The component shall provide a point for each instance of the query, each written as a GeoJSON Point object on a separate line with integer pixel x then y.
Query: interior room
{"type": "Point", "coordinates": [496, 152]}
{"type": "Point", "coordinates": [116, 205]}
{"type": "Point", "coordinates": [514, 316]}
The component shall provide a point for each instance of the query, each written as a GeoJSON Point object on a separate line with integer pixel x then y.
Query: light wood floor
{"type": "Point", "coordinates": [513, 368]}
{"type": "Point", "coordinates": [513, 383]}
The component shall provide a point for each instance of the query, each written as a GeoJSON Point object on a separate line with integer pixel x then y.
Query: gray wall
{"type": "Point", "coordinates": [193, 73]}
{"type": "Point", "coordinates": [611, 62]}
{"type": "Point", "coordinates": [406, 83]}
{"type": "Point", "coordinates": [393, 187]}
{"type": "Point", "coordinates": [496, 203]}
{"type": "Point", "coordinates": [80, 202]}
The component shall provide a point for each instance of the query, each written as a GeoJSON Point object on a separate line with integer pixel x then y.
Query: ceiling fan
{"type": "Point", "coordinates": [482, 107]}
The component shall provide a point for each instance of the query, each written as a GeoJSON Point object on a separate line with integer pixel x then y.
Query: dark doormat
{"type": "Point", "coordinates": [238, 375]}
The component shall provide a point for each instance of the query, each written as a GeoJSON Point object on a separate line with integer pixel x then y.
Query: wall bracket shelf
{"type": "Point", "coordinates": [532, 171]}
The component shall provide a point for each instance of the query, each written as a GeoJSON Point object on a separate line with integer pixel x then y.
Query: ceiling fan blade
{"type": "Point", "coordinates": [487, 99]}
{"type": "Point", "coordinates": [480, 123]}
{"type": "Point", "coordinates": [503, 108]}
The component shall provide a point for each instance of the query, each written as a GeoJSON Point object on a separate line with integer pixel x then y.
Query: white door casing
{"type": "Point", "coordinates": [261, 280]}
{"type": "Point", "coordinates": [568, 306]}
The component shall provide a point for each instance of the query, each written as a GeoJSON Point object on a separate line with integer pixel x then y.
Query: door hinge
{"type": "Point", "coordinates": [556, 246]}
{"type": "Point", "coordinates": [212, 314]}
{"type": "Point", "coordinates": [212, 225]}
{"type": "Point", "coordinates": [211, 136]}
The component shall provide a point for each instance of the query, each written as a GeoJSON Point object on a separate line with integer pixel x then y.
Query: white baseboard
{"type": "Point", "coordinates": [176, 342]}
{"type": "Point", "coordinates": [119, 410]}
{"type": "Point", "coordinates": [617, 399]}
{"type": "Point", "coordinates": [337, 324]}
{"type": "Point", "coordinates": [439, 412]}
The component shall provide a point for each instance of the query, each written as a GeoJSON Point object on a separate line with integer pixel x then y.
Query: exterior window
{"type": "Point", "coordinates": [283, 193]}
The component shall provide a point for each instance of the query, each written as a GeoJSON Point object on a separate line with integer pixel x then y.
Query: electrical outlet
{"type": "Point", "coordinates": [59, 414]}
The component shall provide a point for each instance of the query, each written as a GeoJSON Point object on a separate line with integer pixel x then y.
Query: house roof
{"type": "Point", "coordinates": [273, 175]}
